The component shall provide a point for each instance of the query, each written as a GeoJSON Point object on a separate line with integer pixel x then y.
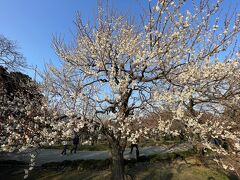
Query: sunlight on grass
{"type": "Point", "coordinates": [182, 172]}
{"type": "Point", "coordinates": [155, 171]}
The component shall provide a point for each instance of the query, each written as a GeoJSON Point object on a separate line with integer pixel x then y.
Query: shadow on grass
{"type": "Point", "coordinates": [158, 166]}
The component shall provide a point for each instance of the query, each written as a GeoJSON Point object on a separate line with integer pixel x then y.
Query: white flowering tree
{"type": "Point", "coordinates": [115, 71]}
{"type": "Point", "coordinates": [21, 102]}
{"type": "Point", "coordinates": [183, 60]}
{"type": "Point", "coordinates": [25, 116]}
{"type": "Point", "coordinates": [178, 59]}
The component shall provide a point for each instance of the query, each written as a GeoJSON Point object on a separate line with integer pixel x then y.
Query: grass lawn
{"type": "Point", "coordinates": [168, 166]}
{"type": "Point", "coordinates": [179, 172]}
{"type": "Point", "coordinates": [141, 171]}
{"type": "Point", "coordinates": [185, 172]}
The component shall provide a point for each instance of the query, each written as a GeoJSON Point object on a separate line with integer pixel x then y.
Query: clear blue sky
{"type": "Point", "coordinates": [32, 23]}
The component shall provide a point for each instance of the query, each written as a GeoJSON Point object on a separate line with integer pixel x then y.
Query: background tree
{"type": "Point", "coordinates": [24, 116]}
{"type": "Point", "coordinates": [9, 55]}
{"type": "Point", "coordinates": [20, 101]}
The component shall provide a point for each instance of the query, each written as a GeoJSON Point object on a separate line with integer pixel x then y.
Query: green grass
{"type": "Point", "coordinates": [159, 142]}
{"type": "Point", "coordinates": [90, 164]}
{"type": "Point", "coordinates": [180, 172]}
{"type": "Point", "coordinates": [154, 171]}
{"type": "Point", "coordinates": [182, 165]}
{"type": "Point", "coordinates": [141, 171]}
{"type": "Point", "coordinates": [167, 156]}
{"type": "Point", "coordinates": [73, 175]}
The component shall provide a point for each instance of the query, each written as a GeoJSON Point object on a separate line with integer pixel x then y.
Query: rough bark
{"type": "Point", "coordinates": [117, 161]}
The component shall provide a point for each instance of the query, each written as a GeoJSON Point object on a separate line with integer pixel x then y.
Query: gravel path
{"type": "Point", "coordinates": [54, 155]}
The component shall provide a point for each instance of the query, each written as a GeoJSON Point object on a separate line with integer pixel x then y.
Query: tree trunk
{"type": "Point", "coordinates": [117, 161]}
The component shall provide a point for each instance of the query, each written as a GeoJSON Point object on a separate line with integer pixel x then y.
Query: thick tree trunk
{"type": "Point", "coordinates": [117, 161]}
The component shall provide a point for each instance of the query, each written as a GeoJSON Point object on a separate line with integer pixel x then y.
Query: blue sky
{"type": "Point", "coordinates": [32, 23]}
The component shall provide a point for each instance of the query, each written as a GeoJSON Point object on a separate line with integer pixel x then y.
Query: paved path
{"type": "Point", "coordinates": [54, 155]}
